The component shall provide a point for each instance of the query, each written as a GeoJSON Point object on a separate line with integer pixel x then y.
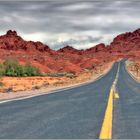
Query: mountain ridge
{"type": "Point", "coordinates": [68, 59]}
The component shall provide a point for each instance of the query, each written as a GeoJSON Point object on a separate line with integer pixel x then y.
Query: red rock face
{"type": "Point", "coordinates": [126, 43]}
{"type": "Point", "coordinates": [11, 41]}
{"type": "Point", "coordinates": [95, 49]}
{"type": "Point", "coordinates": [69, 50]}
{"type": "Point", "coordinates": [68, 59]}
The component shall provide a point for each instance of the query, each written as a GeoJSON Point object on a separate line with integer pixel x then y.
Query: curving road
{"type": "Point", "coordinates": [126, 124]}
{"type": "Point", "coordinates": [75, 113]}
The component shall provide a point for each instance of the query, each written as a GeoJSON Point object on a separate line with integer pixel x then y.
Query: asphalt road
{"type": "Point", "coordinates": [126, 121]}
{"type": "Point", "coordinates": [75, 113]}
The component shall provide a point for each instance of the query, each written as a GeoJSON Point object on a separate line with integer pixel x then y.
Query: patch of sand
{"type": "Point", "coordinates": [26, 86]}
{"type": "Point", "coordinates": [135, 73]}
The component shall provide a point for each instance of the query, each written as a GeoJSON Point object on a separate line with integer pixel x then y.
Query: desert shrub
{"type": "Point", "coordinates": [62, 74]}
{"type": "Point", "coordinates": [11, 67]}
{"type": "Point", "coordinates": [70, 75]}
{"type": "Point", "coordinates": [58, 83]}
{"type": "Point", "coordinates": [36, 87]}
{"type": "Point", "coordinates": [30, 70]}
{"type": "Point", "coordinates": [45, 84]}
{"type": "Point", "coordinates": [10, 89]}
{"type": "Point", "coordinates": [56, 74]}
{"type": "Point", "coordinates": [2, 70]}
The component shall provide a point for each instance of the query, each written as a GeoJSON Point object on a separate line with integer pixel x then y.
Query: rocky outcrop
{"type": "Point", "coordinates": [97, 48]}
{"type": "Point", "coordinates": [70, 49]}
{"type": "Point", "coordinates": [127, 42]}
{"type": "Point", "coordinates": [11, 41]}
{"type": "Point", "coordinates": [68, 59]}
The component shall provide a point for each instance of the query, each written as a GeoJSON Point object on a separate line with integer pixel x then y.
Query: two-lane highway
{"type": "Point", "coordinates": [126, 121]}
{"type": "Point", "coordinates": [74, 113]}
{"type": "Point", "coordinates": [78, 112]}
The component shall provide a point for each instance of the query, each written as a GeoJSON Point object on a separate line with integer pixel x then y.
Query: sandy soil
{"type": "Point", "coordinates": [131, 69]}
{"type": "Point", "coordinates": [28, 83]}
{"type": "Point", "coordinates": [21, 87]}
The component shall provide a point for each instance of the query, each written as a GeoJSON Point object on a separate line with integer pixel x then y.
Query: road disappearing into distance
{"type": "Point", "coordinates": [106, 108]}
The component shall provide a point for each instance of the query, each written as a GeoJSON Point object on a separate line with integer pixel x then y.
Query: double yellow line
{"type": "Point", "coordinates": [106, 130]}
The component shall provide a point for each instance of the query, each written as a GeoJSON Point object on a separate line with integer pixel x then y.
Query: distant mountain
{"type": "Point", "coordinates": [68, 59]}
{"type": "Point", "coordinates": [126, 42]}
{"type": "Point", "coordinates": [11, 41]}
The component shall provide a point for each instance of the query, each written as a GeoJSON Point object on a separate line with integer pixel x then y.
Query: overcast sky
{"type": "Point", "coordinates": [81, 24]}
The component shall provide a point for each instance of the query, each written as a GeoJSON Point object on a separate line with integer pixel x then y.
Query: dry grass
{"type": "Point", "coordinates": [27, 83]}
{"type": "Point", "coordinates": [25, 86]}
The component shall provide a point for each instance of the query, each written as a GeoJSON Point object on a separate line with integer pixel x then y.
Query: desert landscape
{"type": "Point", "coordinates": [66, 66]}
{"type": "Point", "coordinates": [70, 69]}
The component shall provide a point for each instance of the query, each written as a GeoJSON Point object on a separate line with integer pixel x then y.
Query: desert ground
{"type": "Point", "coordinates": [133, 67]}
{"type": "Point", "coordinates": [15, 87]}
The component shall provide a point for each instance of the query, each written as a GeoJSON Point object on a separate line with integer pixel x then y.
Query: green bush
{"type": "Point", "coordinates": [30, 70]}
{"type": "Point", "coordinates": [2, 70]}
{"type": "Point", "coordinates": [11, 67]}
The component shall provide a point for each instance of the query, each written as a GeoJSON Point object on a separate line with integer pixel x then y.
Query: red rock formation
{"type": "Point", "coordinates": [68, 59]}
{"type": "Point", "coordinates": [126, 43]}
{"type": "Point", "coordinates": [11, 41]}
{"type": "Point", "coordinates": [70, 49]}
{"type": "Point", "coordinates": [97, 48]}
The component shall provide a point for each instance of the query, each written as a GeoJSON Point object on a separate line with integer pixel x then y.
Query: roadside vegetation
{"type": "Point", "coordinates": [70, 75]}
{"type": "Point", "coordinates": [11, 67]}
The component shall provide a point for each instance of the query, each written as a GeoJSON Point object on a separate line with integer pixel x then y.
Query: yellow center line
{"type": "Point", "coordinates": [116, 95]}
{"type": "Point", "coordinates": [106, 130]}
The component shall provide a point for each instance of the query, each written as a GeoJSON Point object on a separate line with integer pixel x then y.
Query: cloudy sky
{"type": "Point", "coordinates": [81, 24]}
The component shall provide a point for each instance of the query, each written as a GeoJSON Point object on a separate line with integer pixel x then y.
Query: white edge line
{"type": "Point", "coordinates": [58, 90]}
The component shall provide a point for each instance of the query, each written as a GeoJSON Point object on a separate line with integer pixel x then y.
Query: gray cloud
{"type": "Point", "coordinates": [63, 22]}
{"type": "Point", "coordinates": [83, 43]}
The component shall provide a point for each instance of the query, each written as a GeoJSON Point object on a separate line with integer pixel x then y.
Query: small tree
{"type": "Point", "coordinates": [11, 67]}
{"type": "Point", "coordinates": [31, 70]}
